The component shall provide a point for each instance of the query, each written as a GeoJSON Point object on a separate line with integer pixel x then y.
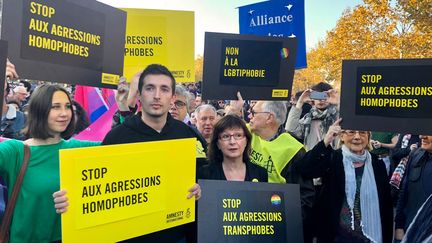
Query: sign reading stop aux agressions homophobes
{"type": "Point", "coordinates": [387, 95]}
{"type": "Point", "coordinates": [77, 42]}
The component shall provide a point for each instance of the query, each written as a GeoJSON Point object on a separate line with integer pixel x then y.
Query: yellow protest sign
{"type": "Point", "coordinates": [122, 191]}
{"type": "Point", "coordinates": [160, 36]}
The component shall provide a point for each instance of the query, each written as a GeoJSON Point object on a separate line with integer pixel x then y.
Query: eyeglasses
{"type": "Point", "coordinates": [236, 136]}
{"type": "Point", "coordinates": [352, 133]}
{"type": "Point", "coordinates": [179, 104]}
{"type": "Point", "coordinates": [253, 113]}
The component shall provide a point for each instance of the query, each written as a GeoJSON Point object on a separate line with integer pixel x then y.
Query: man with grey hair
{"type": "Point", "coordinates": [192, 106]}
{"type": "Point", "coordinates": [179, 109]}
{"type": "Point", "coordinates": [205, 120]}
{"type": "Point", "coordinates": [279, 153]}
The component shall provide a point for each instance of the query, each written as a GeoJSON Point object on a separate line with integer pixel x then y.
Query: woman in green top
{"type": "Point", "coordinates": [49, 120]}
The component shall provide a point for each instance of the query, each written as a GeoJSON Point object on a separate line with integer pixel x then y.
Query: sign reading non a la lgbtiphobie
{"type": "Point", "coordinates": [3, 57]}
{"type": "Point", "coordinates": [160, 36]}
{"type": "Point", "coordinates": [282, 18]}
{"type": "Point", "coordinates": [387, 95]}
{"type": "Point", "coordinates": [260, 67]}
{"type": "Point", "coordinates": [76, 42]}
{"type": "Point", "coordinates": [249, 212]}
{"type": "Point", "coordinates": [118, 192]}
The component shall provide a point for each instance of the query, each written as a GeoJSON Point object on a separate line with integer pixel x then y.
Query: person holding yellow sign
{"type": "Point", "coordinates": [156, 88]}
{"type": "Point", "coordinates": [49, 121]}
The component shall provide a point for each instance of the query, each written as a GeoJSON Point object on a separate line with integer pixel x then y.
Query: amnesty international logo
{"type": "Point", "coordinates": [174, 216]}
{"type": "Point", "coordinates": [188, 213]}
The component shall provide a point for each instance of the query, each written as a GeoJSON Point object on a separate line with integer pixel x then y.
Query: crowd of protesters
{"type": "Point", "coordinates": [350, 181]}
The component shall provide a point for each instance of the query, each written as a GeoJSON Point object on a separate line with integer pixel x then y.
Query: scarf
{"type": "Point", "coordinates": [369, 204]}
{"type": "Point", "coordinates": [328, 117]}
{"type": "Point", "coordinates": [399, 172]}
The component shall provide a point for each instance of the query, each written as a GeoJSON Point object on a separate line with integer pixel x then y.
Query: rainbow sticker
{"type": "Point", "coordinates": [284, 53]}
{"type": "Point", "coordinates": [275, 200]}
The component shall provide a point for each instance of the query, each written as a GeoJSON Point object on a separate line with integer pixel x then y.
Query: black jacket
{"type": "Point", "coordinates": [416, 187]}
{"type": "Point", "coordinates": [134, 130]}
{"type": "Point", "coordinates": [214, 171]}
{"type": "Point", "coordinates": [324, 162]}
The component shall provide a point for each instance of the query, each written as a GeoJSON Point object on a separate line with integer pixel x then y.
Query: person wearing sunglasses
{"type": "Point", "coordinates": [354, 204]}
{"type": "Point", "coordinates": [229, 153]}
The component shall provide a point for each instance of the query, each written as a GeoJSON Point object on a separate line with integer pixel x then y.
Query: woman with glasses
{"type": "Point", "coordinates": [355, 203]}
{"type": "Point", "coordinates": [228, 153]}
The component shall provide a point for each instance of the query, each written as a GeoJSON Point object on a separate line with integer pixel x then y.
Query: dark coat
{"type": "Point", "coordinates": [214, 171]}
{"type": "Point", "coordinates": [327, 163]}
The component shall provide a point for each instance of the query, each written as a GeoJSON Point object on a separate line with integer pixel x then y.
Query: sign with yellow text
{"type": "Point", "coordinates": [160, 36]}
{"type": "Point", "coordinates": [119, 192]}
{"type": "Point", "coordinates": [65, 41]}
{"type": "Point", "coordinates": [248, 212]}
{"type": "Point", "coordinates": [387, 95]}
{"type": "Point", "coordinates": [260, 67]}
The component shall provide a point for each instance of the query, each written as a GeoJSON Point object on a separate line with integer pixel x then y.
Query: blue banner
{"type": "Point", "coordinates": [282, 18]}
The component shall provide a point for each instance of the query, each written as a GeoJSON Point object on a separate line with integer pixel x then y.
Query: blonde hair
{"type": "Point", "coordinates": [368, 146]}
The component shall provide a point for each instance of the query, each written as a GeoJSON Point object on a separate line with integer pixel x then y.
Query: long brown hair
{"type": "Point", "coordinates": [38, 110]}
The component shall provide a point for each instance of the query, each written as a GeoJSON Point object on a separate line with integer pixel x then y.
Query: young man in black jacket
{"type": "Point", "coordinates": [156, 88]}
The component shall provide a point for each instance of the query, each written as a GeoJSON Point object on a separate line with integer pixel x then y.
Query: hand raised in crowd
{"type": "Point", "coordinates": [10, 70]}
{"type": "Point", "coordinates": [333, 96]}
{"type": "Point", "coordinates": [376, 144]}
{"type": "Point", "coordinates": [304, 97]}
{"type": "Point", "coordinates": [237, 105]}
{"type": "Point", "coordinates": [133, 90]}
{"type": "Point", "coordinates": [195, 190]}
{"type": "Point", "coordinates": [413, 146]}
{"type": "Point", "coordinates": [60, 201]}
{"type": "Point", "coordinates": [122, 94]}
{"type": "Point", "coordinates": [333, 131]}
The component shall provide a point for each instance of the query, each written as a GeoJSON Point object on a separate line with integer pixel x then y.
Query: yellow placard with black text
{"type": "Point", "coordinates": [160, 36]}
{"type": "Point", "coordinates": [116, 191]}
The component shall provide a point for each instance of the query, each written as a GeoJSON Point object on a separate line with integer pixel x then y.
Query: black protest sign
{"type": "Point", "coordinates": [3, 57]}
{"type": "Point", "coordinates": [387, 95]}
{"type": "Point", "coordinates": [77, 42]}
{"type": "Point", "coordinates": [260, 67]}
{"type": "Point", "coordinates": [249, 212]}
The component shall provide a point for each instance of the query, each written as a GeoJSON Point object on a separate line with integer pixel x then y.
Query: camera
{"type": "Point", "coordinates": [315, 95]}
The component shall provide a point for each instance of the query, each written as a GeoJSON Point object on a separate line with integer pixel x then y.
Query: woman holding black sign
{"type": "Point", "coordinates": [355, 203]}
{"type": "Point", "coordinates": [229, 152]}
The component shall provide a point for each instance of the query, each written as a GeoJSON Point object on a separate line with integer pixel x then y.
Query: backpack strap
{"type": "Point", "coordinates": [5, 225]}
